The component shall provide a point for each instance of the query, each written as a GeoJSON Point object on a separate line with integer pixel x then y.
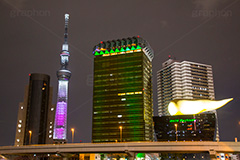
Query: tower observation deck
{"type": "Point", "coordinates": [63, 75]}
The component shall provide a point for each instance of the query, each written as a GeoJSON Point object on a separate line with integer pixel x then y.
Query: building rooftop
{"type": "Point", "coordinates": [123, 46]}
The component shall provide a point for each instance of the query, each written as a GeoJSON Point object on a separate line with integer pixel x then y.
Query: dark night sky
{"type": "Point", "coordinates": [31, 35]}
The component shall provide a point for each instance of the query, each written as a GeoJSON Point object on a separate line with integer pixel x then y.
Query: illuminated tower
{"type": "Point", "coordinates": [63, 75]}
{"type": "Point", "coordinates": [122, 94]}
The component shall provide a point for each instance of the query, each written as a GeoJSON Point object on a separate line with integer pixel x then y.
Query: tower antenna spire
{"type": "Point", "coordinates": [65, 44]}
{"type": "Point", "coordinates": [66, 28]}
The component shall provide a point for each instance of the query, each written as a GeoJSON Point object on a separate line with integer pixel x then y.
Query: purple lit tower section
{"type": "Point", "coordinates": [63, 75]}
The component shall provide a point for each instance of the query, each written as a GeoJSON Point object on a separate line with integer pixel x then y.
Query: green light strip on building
{"type": "Point", "coordinates": [181, 120]}
{"type": "Point", "coordinates": [133, 48]}
{"type": "Point", "coordinates": [138, 47]}
{"type": "Point", "coordinates": [117, 50]}
{"type": "Point", "coordinates": [122, 50]}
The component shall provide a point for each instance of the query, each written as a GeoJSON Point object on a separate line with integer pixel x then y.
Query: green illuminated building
{"type": "Point", "coordinates": [122, 94]}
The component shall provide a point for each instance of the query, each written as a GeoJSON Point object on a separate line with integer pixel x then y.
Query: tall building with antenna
{"type": "Point", "coordinates": [63, 75]}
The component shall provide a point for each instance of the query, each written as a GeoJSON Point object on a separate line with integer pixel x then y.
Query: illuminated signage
{"type": "Point", "coordinates": [181, 120]}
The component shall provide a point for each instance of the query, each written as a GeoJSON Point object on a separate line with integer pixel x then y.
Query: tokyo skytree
{"type": "Point", "coordinates": [63, 75]}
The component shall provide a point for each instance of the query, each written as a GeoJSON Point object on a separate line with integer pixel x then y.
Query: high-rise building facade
{"type": "Point", "coordinates": [36, 112]}
{"type": "Point", "coordinates": [122, 93]}
{"type": "Point", "coordinates": [183, 80]}
{"type": "Point", "coordinates": [63, 75]}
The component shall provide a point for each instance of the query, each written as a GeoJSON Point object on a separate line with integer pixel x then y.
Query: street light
{"type": "Point", "coordinates": [176, 131]}
{"type": "Point", "coordinates": [120, 127]}
{"type": "Point", "coordinates": [30, 136]}
{"type": "Point", "coordinates": [72, 129]}
{"type": "Point", "coordinates": [236, 140]}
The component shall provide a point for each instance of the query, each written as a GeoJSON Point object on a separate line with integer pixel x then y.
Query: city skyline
{"type": "Point", "coordinates": [31, 44]}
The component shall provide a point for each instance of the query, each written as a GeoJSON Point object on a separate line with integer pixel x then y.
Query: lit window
{"type": "Point", "coordinates": [21, 107]}
{"type": "Point", "coordinates": [110, 74]}
{"type": "Point", "coordinates": [50, 136]}
{"type": "Point", "coordinates": [50, 127]}
{"type": "Point", "coordinates": [18, 140]}
{"type": "Point", "coordinates": [138, 92]}
{"type": "Point", "coordinates": [19, 130]}
{"type": "Point", "coordinates": [50, 122]}
{"type": "Point", "coordinates": [50, 131]}
{"type": "Point", "coordinates": [20, 121]}
{"type": "Point", "coordinates": [52, 109]}
{"type": "Point", "coordinates": [95, 112]}
{"type": "Point", "coordinates": [119, 116]}
{"type": "Point", "coordinates": [123, 99]}
{"type": "Point", "coordinates": [43, 89]}
{"type": "Point", "coordinates": [19, 125]}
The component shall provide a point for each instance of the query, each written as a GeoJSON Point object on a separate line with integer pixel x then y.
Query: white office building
{"type": "Point", "coordinates": [184, 80]}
